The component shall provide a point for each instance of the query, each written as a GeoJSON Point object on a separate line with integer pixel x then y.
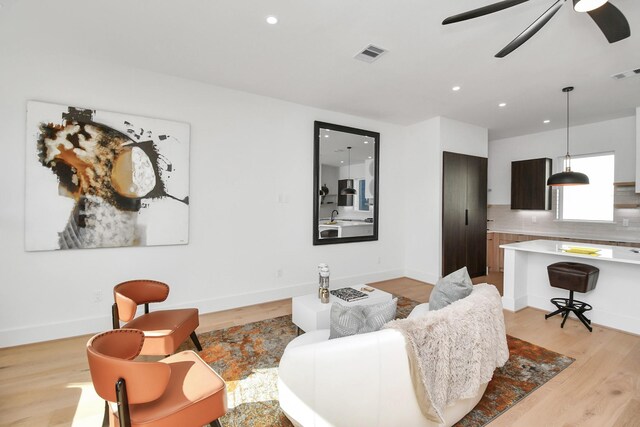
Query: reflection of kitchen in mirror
{"type": "Point", "coordinates": [346, 209]}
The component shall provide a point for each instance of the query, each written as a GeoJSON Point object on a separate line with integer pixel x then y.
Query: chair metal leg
{"type": "Point", "coordinates": [123, 403]}
{"type": "Point", "coordinates": [216, 423]}
{"type": "Point", "coordinates": [195, 340]}
{"type": "Point", "coordinates": [558, 311]}
{"type": "Point", "coordinates": [115, 316]}
{"type": "Point", "coordinates": [105, 419]}
{"type": "Point", "coordinates": [566, 316]}
{"type": "Point", "coordinates": [586, 322]}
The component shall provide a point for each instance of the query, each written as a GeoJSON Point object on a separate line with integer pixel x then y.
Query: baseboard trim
{"type": "Point", "coordinates": [90, 325]}
{"type": "Point", "coordinates": [514, 305]}
{"type": "Point", "coordinates": [421, 276]}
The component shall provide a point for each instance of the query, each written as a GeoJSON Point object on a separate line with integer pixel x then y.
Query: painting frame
{"type": "Point", "coordinates": [98, 179]}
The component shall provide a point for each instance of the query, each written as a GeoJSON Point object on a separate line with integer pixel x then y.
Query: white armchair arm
{"type": "Point", "coordinates": [361, 380]}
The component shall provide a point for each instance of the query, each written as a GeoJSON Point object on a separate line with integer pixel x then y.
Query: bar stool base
{"type": "Point", "coordinates": [568, 305]}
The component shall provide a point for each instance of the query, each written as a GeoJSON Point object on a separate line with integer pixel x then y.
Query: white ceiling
{"type": "Point", "coordinates": [334, 148]}
{"type": "Point", "coordinates": [307, 57]}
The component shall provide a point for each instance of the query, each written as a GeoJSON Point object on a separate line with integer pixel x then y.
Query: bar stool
{"type": "Point", "coordinates": [574, 277]}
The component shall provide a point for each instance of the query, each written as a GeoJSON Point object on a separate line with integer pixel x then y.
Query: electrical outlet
{"type": "Point", "coordinates": [97, 296]}
{"type": "Point", "coordinates": [279, 273]}
{"type": "Point", "coordinates": [379, 260]}
{"type": "Point", "coordinates": [625, 222]}
{"type": "Point", "coordinates": [534, 219]}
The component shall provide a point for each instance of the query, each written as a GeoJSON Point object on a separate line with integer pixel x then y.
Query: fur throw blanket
{"type": "Point", "coordinates": [454, 350]}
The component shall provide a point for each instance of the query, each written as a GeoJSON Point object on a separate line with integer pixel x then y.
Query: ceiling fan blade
{"type": "Point", "coordinates": [481, 11]}
{"type": "Point", "coordinates": [531, 30]}
{"type": "Point", "coordinates": [611, 22]}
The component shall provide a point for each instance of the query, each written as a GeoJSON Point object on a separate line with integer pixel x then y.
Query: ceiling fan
{"type": "Point", "coordinates": [606, 16]}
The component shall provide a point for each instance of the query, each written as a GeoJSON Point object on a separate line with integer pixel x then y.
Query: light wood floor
{"type": "Point", "coordinates": [48, 384]}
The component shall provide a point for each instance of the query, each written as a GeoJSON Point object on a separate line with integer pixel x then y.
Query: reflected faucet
{"type": "Point", "coordinates": [332, 214]}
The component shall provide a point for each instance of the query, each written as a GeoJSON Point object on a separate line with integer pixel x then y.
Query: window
{"type": "Point", "coordinates": [593, 202]}
{"type": "Point", "coordinates": [362, 203]}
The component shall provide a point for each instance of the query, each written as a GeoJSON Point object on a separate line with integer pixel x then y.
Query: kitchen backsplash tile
{"type": "Point", "coordinates": [502, 218]}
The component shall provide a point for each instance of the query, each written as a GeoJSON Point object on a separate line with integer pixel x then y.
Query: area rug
{"type": "Point", "coordinates": [247, 358]}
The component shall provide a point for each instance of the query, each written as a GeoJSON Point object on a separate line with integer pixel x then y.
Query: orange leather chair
{"type": "Point", "coordinates": [180, 390]}
{"type": "Point", "coordinates": [164, 330]}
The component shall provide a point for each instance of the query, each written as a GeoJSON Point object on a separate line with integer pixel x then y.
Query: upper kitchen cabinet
{"type": "Point", "coordinates": [529, 188]}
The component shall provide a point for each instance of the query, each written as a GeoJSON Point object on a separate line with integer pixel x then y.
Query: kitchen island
{"type": "Point", "coordinates": [615, 300]}
{"type": "Point", "coordinates": [346, 228]}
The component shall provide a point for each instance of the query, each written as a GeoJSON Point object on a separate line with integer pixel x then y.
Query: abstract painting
{"type": "Point", "coordinates": [97, 179]}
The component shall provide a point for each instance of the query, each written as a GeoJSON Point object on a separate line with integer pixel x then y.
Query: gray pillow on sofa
{"type": "Point", "coordinates": [451, 288]}
{"type": "Point", "coordinates": [360, 319]}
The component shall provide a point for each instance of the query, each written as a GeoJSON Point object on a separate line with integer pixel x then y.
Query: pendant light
{"type": "Point", "coordinates": [567, 177]}
{"type": "Point", "coordinates": [349, 191]}
{"type": "Point", "coordinates": [587, 5]}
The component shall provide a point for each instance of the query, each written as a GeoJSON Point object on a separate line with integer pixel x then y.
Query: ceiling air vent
{"type": "Point", "coordinates": [625, 74]}
{"type": "Point", "coordinates": [370, 53]}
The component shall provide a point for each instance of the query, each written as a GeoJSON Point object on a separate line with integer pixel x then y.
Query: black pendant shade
{"type": "Point", "coordinates": [567, 177]}
{"type": "Point", "coordinates": [349, 191]}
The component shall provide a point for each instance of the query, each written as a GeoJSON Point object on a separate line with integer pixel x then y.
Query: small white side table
{"type": "Point", "coordinates": [309, 314]}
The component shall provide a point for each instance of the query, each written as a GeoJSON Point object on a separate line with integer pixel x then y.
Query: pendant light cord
{"type": "Point", "coordinates": [567, 157]}
{"type": "Point", "coordinates": [349, 162]}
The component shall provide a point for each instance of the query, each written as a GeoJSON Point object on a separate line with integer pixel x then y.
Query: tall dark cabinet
{"type": "Point", "coordinates": [464, 214]}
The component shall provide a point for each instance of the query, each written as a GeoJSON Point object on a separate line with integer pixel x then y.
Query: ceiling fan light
{"type": "Point", "coordinates": [587, 5]}
{"type": "Point", "coordinates": [567, 178]}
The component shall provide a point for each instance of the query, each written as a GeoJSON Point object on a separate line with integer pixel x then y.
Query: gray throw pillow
{"type": "Point", "coordinates": [360, 319]}
{"type": "Point", "coordinates": [451, 288]}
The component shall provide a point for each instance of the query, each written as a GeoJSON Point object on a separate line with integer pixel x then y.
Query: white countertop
{"type": "Point", "coordinates": [554, 247]}
{"type": "Point", "coordinates": [340, 223]}
{"type": "Point", "coordinates": [564, 235]}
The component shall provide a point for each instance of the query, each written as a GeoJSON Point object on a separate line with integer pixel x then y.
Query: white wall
{"type": "Point", "coordinates": [423, 149]}
{"type": "Point", "coordinates": [459, 137]}
{"type": "Point", "coordinates": [422, 203]}
{"type": "Point", "coordinates": [617, 135]}
{"type": "Point", "coordinates": [250, 193]}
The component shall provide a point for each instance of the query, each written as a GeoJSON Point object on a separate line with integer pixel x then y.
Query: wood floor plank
{"type": "Point", "coordinates": [48, 384]}
{"type": "Point", "coordinates": [629, 415]}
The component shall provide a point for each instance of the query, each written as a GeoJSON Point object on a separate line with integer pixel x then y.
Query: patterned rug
{"type": "Point", "coordinates": [247, 358]}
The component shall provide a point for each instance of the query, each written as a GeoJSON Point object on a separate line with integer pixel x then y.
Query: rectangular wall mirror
{"type": "Point", "coordinates": [345, 183]}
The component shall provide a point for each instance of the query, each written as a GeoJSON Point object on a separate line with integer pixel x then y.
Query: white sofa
{"type": "Point", "coordinates": [361, 380]}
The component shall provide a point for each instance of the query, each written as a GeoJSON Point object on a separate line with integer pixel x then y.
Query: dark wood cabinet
{"type": "Point", "coordinates": [529, 189]}
{"type": "Point", "coordinates": [464, 214]}
{"type": "Point", "coordinates": [344, 200]}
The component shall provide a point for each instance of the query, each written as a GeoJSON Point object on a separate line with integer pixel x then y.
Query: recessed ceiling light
{"type": "Point", "coordinates": [326, 136]}
{"type": "Point", "coordinates": [272, 20]}
{"type": "Point", "coordinates": [370, 157]}
{"type": "Point", "coordinates": [365, 141]}
{"type": "Point", "coordinates": [341, 161]}
{"type": "Point", "coordinates": [587, 5]}
{"type": "Point", "coordinates": [502, 104]}
{"type": "Point", "coordinates": [546, 121]}
{"type": "Point", "coordinates": [455, 88]}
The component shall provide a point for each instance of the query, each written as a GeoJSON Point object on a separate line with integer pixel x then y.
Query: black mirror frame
{"type": "Point", "coordinates": [316, 184]}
